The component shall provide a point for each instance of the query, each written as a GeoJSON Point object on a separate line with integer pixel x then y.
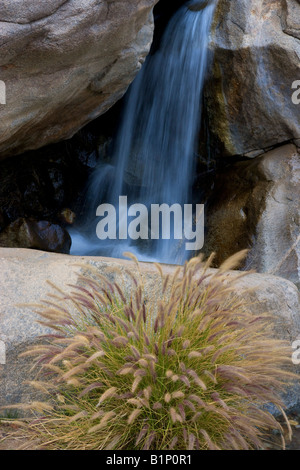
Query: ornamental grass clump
{"type": "Point", "coordinates": [191, 369]}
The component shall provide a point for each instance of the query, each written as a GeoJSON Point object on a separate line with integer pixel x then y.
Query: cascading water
{"type": "Point", "coordinates": [153, 161]}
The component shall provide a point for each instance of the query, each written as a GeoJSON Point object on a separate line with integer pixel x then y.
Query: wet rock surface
{"type": "Point", "coordinates": [255, 205]}
{"type": "Point", "coordinates": [45, 185]}
{"type": "Point", "coordinates": [38, 235]}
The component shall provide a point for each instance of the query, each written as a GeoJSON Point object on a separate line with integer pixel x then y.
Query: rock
{"type": "Point", "coordinates": [65, 63]}
{"type": "Point", "coordinates": [198, 5]}
{"type": "Point", "coordinates": [255, 205]}
{"type": "Point", "coordinates": [67, 216]}
{"type": "Point", "coordinates": [297, 142]}
{"type": "Point", "coordinates": [256, 60]}
{"type": "Point", "coordinates": [23, 279]}
{"type": "Point", "coordinates": [39, 235]}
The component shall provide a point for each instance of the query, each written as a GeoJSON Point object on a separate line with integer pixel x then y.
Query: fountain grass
{"type": "Point", "coordinates": [192, 369]}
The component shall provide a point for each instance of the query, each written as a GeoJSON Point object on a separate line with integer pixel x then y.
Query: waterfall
{"type": "Point", "coordinates": [153, 161]}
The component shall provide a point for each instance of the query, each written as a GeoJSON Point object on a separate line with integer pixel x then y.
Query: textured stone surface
{"type": "Point", "coordinates": [65, 63]}
{"type": "Point", "coordinates": [257, 50]}
{"type": "Point", "coordinates": [256, 205]}
{"type": "Point", "coordinates": [23, 277]}
{"type": "Point", "coordinates": [277, 241]}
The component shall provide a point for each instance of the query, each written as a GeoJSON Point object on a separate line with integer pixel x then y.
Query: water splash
{"type": "Point", "coordinates": [153, 161]}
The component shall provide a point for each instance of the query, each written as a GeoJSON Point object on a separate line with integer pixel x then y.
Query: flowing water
{"type": "Point", "coordinates": [153, 161]}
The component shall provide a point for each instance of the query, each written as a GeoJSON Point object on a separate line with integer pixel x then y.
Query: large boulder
{"type": "Point", "coordinates": [23, 279]}
{"type": "Point", "coordinates": [38, 235]}
{"type": "Point", "coordinates": [256, 61]}
{"type": "Point", "coordinates": [255, 205]}
{"type": "Point", "coordinates": [65, 63]}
